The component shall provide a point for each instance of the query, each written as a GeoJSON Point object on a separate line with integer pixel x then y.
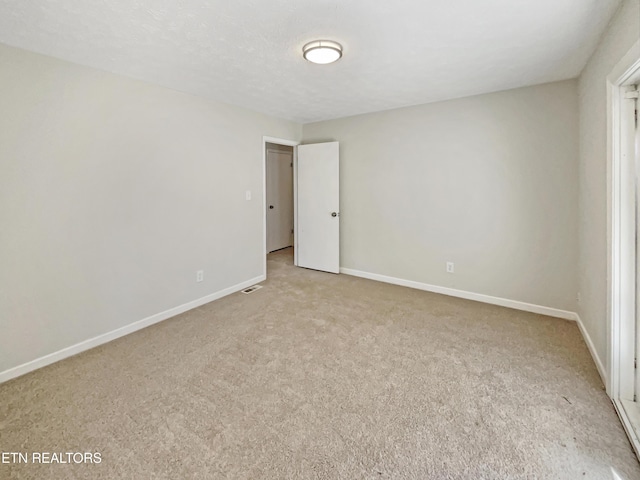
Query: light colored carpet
{"type": "Point", "coordinates": [318, 376]}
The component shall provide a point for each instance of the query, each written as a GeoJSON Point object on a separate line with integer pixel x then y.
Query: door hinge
{"type": "Point", "coordinates": [635, 363]}
{"type": "Point", "coordinates": [291, 164]}
{"type": "Point", "coordinates": [633, 95]}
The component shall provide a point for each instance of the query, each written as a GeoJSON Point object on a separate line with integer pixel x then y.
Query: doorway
{"type": "Point", "coordinates": [316, 215]}
{"type": "Point", "coordinates": [623, 382]}
{"type": "Point", "coordinates": [279, 154]}
{"type": "Point", "coordinates": [279, 194]}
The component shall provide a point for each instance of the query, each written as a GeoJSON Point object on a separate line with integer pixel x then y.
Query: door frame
{"type": "Point", "coordinates": [289, 143]}
{"type": "Point", "coordinates": [621, 248]}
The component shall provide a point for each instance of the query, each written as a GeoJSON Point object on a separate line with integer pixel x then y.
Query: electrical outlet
{"type": "Point", "coordinates": [247, 194]}
{"type": "Point", "coordinates": [578, 298]}
{"type": "Point", "coordinates": [199, 275]}
{"type": "Point", "coordinates": [449, 267]}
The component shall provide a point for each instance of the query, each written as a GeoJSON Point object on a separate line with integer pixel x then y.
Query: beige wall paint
{"type": "Point", "coordinates": [113, 192]}
{"type": "Point", "coordinates": [488, 182]}
{"type": "Point", "coordinates": [623, 32]}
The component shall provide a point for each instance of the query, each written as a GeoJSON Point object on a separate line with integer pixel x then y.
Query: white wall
{"type": "Point", "coordinates": [113, 192]}
{"type": "Point", "coordinates": [488, 182]}
{"type": "Point", "coordinates": [623, 32]}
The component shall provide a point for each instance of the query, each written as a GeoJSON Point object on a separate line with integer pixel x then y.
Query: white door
{"type": "Point", "coordinates": [318, 211]}
{"type": "Point", "coordinates": [279, 171]}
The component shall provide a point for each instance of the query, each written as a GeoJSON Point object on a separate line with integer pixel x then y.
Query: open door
{"type": "Point", "coordinates": [318, 203]}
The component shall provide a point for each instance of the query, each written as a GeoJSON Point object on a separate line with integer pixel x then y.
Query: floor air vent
{"type": "Point", "coordinates": [252, 289]}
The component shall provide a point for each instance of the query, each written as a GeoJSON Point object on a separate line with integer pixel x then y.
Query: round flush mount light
{"type": "Point", "coordinates": [322, 51]}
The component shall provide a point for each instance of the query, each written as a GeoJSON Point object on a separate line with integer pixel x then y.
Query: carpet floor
{"type": "Point", "coordinates": [321, 376]}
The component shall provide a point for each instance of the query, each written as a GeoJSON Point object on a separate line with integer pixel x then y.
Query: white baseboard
{"type": "Point", "coordinates": [478, 297]}
{"type": "Point", "coordinates": [121, 332]}
{"type": "Point", "coordinates": [592, 350]}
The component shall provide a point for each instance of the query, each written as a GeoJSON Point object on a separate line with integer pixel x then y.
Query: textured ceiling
{"type": "Point", "coordinates": [248, 53]}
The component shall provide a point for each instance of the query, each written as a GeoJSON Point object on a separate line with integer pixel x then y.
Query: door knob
{"type": "Point", "coordinates": [270, 207]}
{"type": "Point", "coordinates": [334, 214]}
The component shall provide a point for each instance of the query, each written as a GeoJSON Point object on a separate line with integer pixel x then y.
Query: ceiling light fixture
{"type": "Point", "coordinates": [322, 51]}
